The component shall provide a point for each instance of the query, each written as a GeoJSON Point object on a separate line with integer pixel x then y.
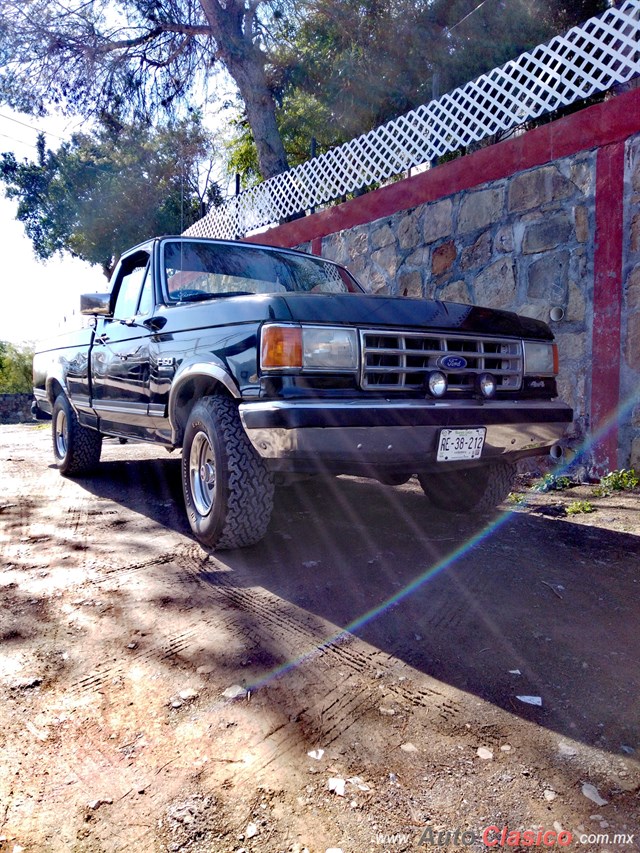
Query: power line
{"type": "Point", "coordinates": [31, 126]}
{"type": "Point", "coordinates": [19, 141]}
{"type": "Point", "coordinates": [462, 20]}
{"type": "Point", "coordinates": [75, 11]}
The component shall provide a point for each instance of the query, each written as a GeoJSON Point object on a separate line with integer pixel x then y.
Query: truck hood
{"type": "Point", "coordinates": [403, 312]}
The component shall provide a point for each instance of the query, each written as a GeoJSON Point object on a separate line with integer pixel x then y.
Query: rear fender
{"type": "Point", "coordinates": [56, 383]}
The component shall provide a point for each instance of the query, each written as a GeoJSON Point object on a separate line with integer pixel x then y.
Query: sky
{"type": "Point", "coordinates": [37, 299]}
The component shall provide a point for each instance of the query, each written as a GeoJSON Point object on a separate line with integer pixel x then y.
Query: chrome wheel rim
{"type": "Point", "coordinates": [202, 473]}
{"type": "Point", "coordinates": [61, 436]}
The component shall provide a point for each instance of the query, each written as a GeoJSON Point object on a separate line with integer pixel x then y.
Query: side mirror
{"type": "Point", "coordinates": [92, 304]}
{"type": "Point", "coordinates": [155, 324]}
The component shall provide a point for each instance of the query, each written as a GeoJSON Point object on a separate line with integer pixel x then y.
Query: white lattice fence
{"type": "Point", "coordinates": [591, 58]}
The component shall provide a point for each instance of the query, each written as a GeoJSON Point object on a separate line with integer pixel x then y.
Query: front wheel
{"type": "Point", "coordinates": [228, 492]}
{"type": "Point", "coordinates": [76, 449]}
{"type": "Point", "coordinates": [469, 489]}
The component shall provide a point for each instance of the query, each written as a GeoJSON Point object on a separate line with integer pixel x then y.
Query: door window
{"type": "Point", "coordinates": [130, 290]}
{"type": "Point", "coordinates": [145, 306]}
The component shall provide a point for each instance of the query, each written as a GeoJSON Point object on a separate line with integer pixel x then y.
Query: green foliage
{"type": "Point", "coordinates": [346, 66]}
{"type": "Point", "coordinates": [241, 155]}
{"type": "Point", "coordinates": [516, 498]}
{"type": "Point", "coordinates": [481, 38]}
{"type": "Point", "coordinates": [578, 507]}
{"type": "Point", "coordinates": [355, 63]}
{"type": "Point", "coordinates": [110, 189]}
{"type": "Point", "coordinates": [623, 480]}
{"type": "Point", "coordinates": [336, 68]}
{"type": "Point", "coordinates": [15, 369]}
{"type": "Point", "coordinates": [300, 117]}
{"type": "Point", "coordinates": [142, 59]}
{"type": "Point", "coordinates": [552, 482]}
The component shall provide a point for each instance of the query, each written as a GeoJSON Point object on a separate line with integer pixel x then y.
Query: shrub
{"type": "Point", "coordinates": [578, 507]}
{"type": "Point", "coordinates": [620, 481]}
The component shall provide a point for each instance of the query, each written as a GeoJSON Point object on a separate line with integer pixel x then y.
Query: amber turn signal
{"type": "Point", "coordinates": [281, 347]}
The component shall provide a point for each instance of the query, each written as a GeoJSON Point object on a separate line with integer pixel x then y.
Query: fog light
{"type": "Point", "coordinates": [437, 384]}
{"type": "Point", "coordinates": [486, 385]}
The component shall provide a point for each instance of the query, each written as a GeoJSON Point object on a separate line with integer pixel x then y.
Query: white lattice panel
{"type": "Point", "coordinates": [603, 52]}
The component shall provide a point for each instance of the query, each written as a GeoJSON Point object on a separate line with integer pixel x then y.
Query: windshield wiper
{"type": "Point", "coordinates": [196, 297]}
{"type": "Point", "coordinates": [201, 295]}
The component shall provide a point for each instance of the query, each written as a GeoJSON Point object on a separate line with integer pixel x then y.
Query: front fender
{"type": "Point", "coordinates": [204, 374]}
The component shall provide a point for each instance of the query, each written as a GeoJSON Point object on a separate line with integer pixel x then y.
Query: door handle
{"type": "Point", "coordinates": [104, 339]}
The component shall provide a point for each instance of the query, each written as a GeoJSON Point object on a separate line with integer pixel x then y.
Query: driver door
{"type": "Point", "coordinates": [120, 353]}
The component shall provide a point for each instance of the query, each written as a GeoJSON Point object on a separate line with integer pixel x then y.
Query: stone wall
{"type": "Point", "coordinates": [15, 408]}
{"type": "Point", "coordinates": [630, 374]}
{"type": "Point", "coordinates": [524, 243]}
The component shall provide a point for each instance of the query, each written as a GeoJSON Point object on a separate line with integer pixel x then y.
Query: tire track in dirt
{"type": "Point", "coordinates": [167, 648]}
{"type": "Point", "coordinates": [262, 619]}
{"type": "Point", "coordinates": [329, 718]}
{"type": "Point", "coordinates": [272, 622]}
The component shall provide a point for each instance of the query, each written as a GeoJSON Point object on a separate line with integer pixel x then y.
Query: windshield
{"type": "Point", "coordinates": [196, 270]}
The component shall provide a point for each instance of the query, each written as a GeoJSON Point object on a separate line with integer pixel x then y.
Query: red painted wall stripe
{"type": "Point", "coordinates": [607, 302]}
{"type": "Point", "coordinates": [612, 121]}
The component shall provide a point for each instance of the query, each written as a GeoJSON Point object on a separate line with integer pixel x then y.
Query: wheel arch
{"type": "Point", "coordinates": [189, 386]}
{"type": "Point", "coordinates": [55, 387]}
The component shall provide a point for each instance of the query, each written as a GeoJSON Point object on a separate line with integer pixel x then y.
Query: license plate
{"type": "Point", "coordinates": [456, 444]}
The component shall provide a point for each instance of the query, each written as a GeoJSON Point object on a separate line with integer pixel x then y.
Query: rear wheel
{"type": "Point", "coordinates": [469, 489]}
{"type": "Point", "coordinates": [228, 492]}
{"type": "Point", "coordinates": [76, 449]}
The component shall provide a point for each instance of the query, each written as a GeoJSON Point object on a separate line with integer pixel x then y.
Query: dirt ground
{"type": "Point", "coordinates": [389, 640]}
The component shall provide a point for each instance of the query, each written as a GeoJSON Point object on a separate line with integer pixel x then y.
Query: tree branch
{"type": "Point", "coordinates": [180, 29]}
{"type": "Point", "coordinates": [250, 18]}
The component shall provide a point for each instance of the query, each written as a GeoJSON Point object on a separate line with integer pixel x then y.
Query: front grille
{"type": "Point", "coordinates": [401, 360]}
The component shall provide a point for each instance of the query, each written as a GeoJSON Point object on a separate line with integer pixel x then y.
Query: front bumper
{"type": "Point", "coordinates": [356, 436]}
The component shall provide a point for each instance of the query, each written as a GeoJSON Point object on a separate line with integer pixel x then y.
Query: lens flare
{"type": "Point", "coordinates": [582, 452]}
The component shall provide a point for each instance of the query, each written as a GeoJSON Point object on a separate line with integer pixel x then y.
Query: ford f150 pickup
{"type": "Point", "coordinates": [263, 363]}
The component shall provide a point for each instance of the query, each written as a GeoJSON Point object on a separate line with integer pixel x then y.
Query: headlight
{"type": "Point", "coordinates": [329, 349]}
{"type": "Point", "coordinates": [540, 359]}
{"type": "Point", "coordinates": [325, 348]}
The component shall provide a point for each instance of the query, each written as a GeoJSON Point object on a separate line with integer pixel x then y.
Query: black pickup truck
{"type": "Point", "coordinates": [264, 363]}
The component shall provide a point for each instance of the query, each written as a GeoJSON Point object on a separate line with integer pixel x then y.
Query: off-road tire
{"type": "Point", "coordinates": [228, 491]}
{"type": "Point", "coordinates": [76, 449]}
{"type": "Point", "coordinates": [469, 490]}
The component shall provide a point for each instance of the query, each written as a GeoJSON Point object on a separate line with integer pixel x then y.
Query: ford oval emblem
{"type": "Point", "coordinates": [452, 362]}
